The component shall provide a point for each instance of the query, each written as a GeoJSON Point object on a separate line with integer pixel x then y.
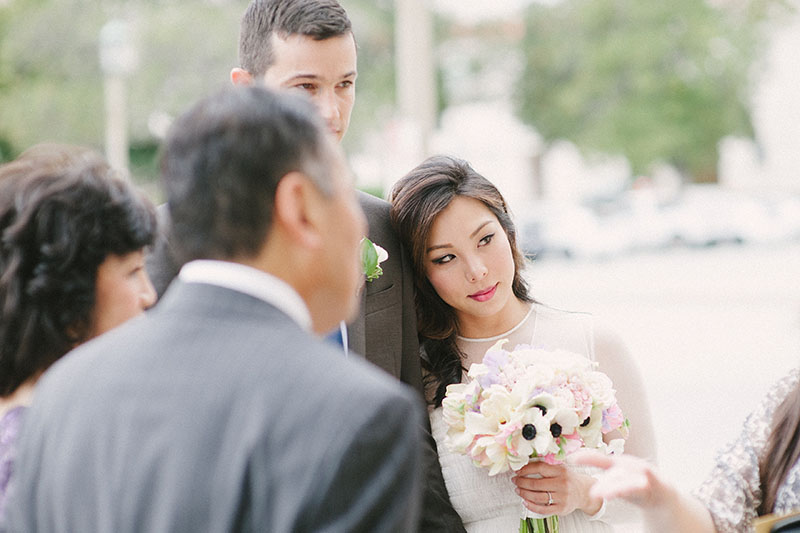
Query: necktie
{"type": "Point", "coordinates": [339, 336]}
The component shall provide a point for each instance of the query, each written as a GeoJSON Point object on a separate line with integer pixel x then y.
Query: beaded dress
{"type": "Point", "coordinates": [10, 424]}
{"type": "Point", "coordinates": [732, 491]}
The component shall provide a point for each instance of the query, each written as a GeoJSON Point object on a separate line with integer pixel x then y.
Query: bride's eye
{"type": "Point", "coordinates": [444, 259]}
{"type": "Point", "coordinates": [486, 240]}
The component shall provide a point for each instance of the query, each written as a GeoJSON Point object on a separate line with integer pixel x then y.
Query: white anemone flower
{"type": "Point", "coordinates": [592, 432]}
{"type": "Point", "coordinates": [533, 439]}
{"type": "Point", "coordinates": [563, 422]}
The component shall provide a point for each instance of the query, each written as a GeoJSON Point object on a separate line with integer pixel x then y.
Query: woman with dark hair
{"type": "Point", "coordinates": [72, 239]}
{"type": "Point", "coordinates": [470, 293]}
{"type": "Point", "coordinates": [755, 475]}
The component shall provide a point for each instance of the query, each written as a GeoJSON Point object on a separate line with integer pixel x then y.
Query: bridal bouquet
{"type": "Point", "coordinates": [530, 404]}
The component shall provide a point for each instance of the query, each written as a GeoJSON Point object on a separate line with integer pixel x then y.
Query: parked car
{"type": "Point", "coordinates": [636, 220]}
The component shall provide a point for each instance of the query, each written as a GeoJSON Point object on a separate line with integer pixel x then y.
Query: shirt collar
{"type": "Point", "coordinates": [250, 281]}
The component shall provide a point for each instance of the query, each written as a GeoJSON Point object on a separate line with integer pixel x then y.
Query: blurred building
{"type": "Point", "coordinates": [478, 67]}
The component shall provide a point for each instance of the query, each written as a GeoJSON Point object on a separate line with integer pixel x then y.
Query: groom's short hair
{"type": "Point", "coordinates": [222, 162]}
{"type": "Point", "coordinates": [318, 19]}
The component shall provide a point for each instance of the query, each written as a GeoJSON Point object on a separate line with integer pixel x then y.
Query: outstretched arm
{"type": "Point", "coordinates": [636, 480]}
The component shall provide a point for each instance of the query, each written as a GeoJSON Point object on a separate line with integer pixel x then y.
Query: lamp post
{"type": "Point", "coordinates": [416, 83]}
{"type": "Point", "coordinates": [118, 59]}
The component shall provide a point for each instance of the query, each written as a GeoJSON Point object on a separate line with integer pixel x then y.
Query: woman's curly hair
{"type": "Point", "coordinates": [61, 215]}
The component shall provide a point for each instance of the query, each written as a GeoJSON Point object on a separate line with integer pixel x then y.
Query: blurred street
{"type": "Point", "coordinates": [711, 328]}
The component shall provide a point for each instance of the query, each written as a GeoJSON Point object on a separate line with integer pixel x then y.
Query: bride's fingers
{"type": "Point", "coordinates": [534, 484]}
{"type": "Point", "coordinates": [539, 502]}
{"type": "Point", "coordinates": [541, 469]}
{"type": "Point", "coordinates": [537, 497]}
{"type": "Point", "coordinates": [543, 509]}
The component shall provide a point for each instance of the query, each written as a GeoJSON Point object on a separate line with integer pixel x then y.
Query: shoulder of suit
{"type": "Point", "coordinates": [372, 204]}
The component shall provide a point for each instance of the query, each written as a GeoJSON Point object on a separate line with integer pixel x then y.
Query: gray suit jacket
{"type": "Point", "coordinates": [385, 332]}
{"type": "Point", "coordinates": [216, 412]}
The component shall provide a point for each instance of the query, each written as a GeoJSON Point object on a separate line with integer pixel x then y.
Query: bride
{"type": "Point", "coordinates": [470, 292]}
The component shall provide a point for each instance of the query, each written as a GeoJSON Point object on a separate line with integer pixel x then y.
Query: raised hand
{"type": "Point", "coordinates": [637, 481]}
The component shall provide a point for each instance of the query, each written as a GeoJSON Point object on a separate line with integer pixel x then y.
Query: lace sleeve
{"type": "Point", "coordinates": [732, 490]}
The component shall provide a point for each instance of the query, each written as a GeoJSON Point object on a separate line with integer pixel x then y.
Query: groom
{"type": "Point", "coordinates": [307, 46]}
{"type": "Point", "coordinates": [219, 411]}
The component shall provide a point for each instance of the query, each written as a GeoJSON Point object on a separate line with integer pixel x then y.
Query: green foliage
{"type": "Point", "coordinates": [51, 84]}
{"type": "Point", "coordinates": [655, 81]}
{"type": "Point", "coordinates": [45, 93]}
{"type": "Point", "coordinates": [373, 26]}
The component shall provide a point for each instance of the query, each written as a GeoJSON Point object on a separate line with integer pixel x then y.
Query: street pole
{"type": "Point", "coordinates": [415, 68]}
{"type": "Point", "coordinates": [117, 60]}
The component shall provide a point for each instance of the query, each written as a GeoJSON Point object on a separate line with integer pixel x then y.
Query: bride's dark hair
{"type": "Point", "coordinates": [782, 450]}
{"type": "Point", "coordinates": [417, 199]}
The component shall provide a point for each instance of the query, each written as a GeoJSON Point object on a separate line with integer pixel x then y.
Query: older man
{"type": "Point", "coordinates": [220, 410]}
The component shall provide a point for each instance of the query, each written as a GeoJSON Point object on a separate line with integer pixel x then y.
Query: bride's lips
{"type": "Point", "coordinates": [484, 295]}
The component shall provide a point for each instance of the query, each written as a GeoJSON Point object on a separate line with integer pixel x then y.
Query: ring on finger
{"type": "Point", "coordinates": [549, 499]}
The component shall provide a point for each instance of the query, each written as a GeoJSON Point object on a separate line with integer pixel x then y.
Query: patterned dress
{"type": "Point", "coordinates": [9, 431]}
{"type": "Point", "coordinates": [732, 491]}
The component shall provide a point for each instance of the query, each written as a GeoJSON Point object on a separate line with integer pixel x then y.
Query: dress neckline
{"type": "Point", "coordinates": [501, 335]}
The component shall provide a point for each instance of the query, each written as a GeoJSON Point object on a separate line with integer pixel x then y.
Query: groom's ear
{"type": "Point", "coordinates": [296, 210]}
{"type": "Point", "coordinates": [240, 76]}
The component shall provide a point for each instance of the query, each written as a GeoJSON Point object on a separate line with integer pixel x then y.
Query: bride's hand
{"type": "Point", "coordinates": [568, 489]}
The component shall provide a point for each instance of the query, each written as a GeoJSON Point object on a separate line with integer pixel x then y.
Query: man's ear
{"type": "Point", "coordinates": [240, 76]}
{"type": "Point", "coordinates": [296, 206]}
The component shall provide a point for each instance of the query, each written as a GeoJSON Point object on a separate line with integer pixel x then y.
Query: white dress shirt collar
{"type": "Point", "coordinates": [251, 281]}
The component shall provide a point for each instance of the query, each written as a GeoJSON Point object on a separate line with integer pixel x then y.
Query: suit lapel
{"type": "Point", "coordinates": [356, 330]}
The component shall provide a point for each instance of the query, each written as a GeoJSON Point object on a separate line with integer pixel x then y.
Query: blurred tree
{"type": "Point", "coordinates": [51, 85]}
{"type": "Point", "coordinates": [655, 81]}
{"type": "Point", "coordinates": [373, 26]}
{"type": "Point", "coordinates": [6, 149]}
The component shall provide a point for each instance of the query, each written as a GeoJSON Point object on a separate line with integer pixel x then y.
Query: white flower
{"type": "Point", "coordinates": [383, 255]}
{"type": "Point", "coordinates": [533, 436]}
{"type": "Point", "coordinates": [592, 432]}
{"type": "Point", "coordinates": [487, 451]}
{"type": "Point", "coordinates": [458, 440]}
{"type": "Point", "coordinates": [477, 370]}
{"type": "Point", "coordinates": [616, 446]}
{"type": "Point", "coordinates": [453, 406]}
{"type": "Point", "coordinates": [601, 388]}
{"type": "Point", "coordinates": [496, 409]}
{"type": "Point", "coordinates": [372, 256]}
{"type": "Point", "coordinates": [563, 421]}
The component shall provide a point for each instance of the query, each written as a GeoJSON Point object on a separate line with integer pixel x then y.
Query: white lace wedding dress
{"type": "Point", "coordinates": [488, 504]}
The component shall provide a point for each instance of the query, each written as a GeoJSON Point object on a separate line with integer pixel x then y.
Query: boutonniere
{"type": "Point", "coordinates": [372, 256]}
